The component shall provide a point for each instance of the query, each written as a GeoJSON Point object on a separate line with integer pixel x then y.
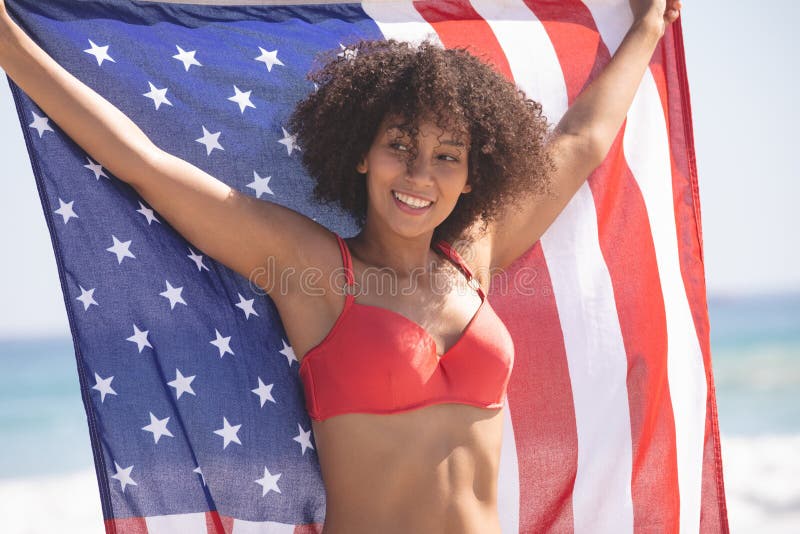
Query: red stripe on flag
{"type": "Point", "coordinates": [310, 528]}
{"type": "Point", "coordinates": [218, 524]}
{"type": "Point", "coordinates": [672, 85]}
{"type": "Point", "coordinates": [539, 392]}
{"type": "Point", "coordinates": [128, 525]}
{"type": "Point", "coordinates": [623, 228]}
{"type": "Point", "coordinates": [460, 26]}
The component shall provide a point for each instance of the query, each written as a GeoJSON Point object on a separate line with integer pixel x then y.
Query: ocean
{"type": "Point", "coordinates": [45, 454]}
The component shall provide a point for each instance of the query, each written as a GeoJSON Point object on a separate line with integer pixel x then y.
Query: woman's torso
{"type": "Point", "coordinates": [432, 469]}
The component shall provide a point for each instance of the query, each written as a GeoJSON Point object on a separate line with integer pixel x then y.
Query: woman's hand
{"type": "Point", "coordinates": [659, 13]}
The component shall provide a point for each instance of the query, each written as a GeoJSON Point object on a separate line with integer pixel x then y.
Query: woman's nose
{"type": "Point", "coordinates": [419, 171]}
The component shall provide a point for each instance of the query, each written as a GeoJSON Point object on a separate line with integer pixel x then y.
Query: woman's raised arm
{"type": "Point", "coordinates": [240, 231]}
{"type": "Point", "coordinates": [585, 133]}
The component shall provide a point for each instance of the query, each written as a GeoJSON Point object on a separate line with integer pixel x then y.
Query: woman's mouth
{"type": "Point", "coordinates": [411, 204]}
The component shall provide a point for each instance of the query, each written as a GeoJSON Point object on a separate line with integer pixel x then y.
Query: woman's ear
{"type": "Point", "coordinates": [362, 166]}
{"type": "Point", "coordinates": [467, 188]}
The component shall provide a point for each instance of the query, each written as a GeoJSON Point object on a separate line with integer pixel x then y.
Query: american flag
{"type": "Point", "coordinates": [191, 390]}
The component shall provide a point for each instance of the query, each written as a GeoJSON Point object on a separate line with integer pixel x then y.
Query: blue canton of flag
{"type": "Point", "coordinates": [192, 405]}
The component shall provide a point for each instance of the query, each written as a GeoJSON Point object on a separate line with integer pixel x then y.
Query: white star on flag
{"type": "Point", "coordinates": [304, 439]}
{"type": "Point", "coordinates": [288, 351]}
{"type": "Point", "coordinates": [182, 384]}
{"type": "Point", "coordinates": [187, 58]}
{"type": "Point", "coordinates": [228, 433]}
{"type": "Point", "coordinates": [260, 185]}
{"type": "Point", "coordinates": [268, 482]}
{"type": "Point", "coordinates": [65, 210]}
{"type": "Point", "coordinates": [222, 343]}
{"type": "Point", "coordinates": [140, 338]}
{"type": "Point", "coordinates": [289, 141]}
{"type": "Point", "coordinates": [264, 392]}
{"type": "Point", "coordinates": [124, 476]}
{"type": "Point", "coordinates": [158, 427]}
{"type": "Point", "coordinates": [99, 52]}
{"type": "Point", "coordinates": [120, 248]}
{"type": "Point", "coordinates": [103, 385]}
{"type": "Point", "coordinates": [347, 53]}
{"type": "Point", "coordinates": [197, 259]}
{"type": "Point", "coordinates": [96, 168]}
{"type": "Point", "coordinates": [41, 124]}
{"type": "Point", "coordinates": [174, 295]}
{"type": "Point", "coordinates": [246, 306]}
{"type": "Point", "coordinates": [211, 141]}
{"type": "Point", "coordinates": [243, 99]}
{"type": "Point", "coordinates": [87, 297]}
{"type": "Point", "coordinates": [148, 213]}
{"type": "Point", "coordinates": [200, 472]}
{"type": "Point", "coordinates": [158, 96]}
{"type": "Point", "coordinates": [270, 59]}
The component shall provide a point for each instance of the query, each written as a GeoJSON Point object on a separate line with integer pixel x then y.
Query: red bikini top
{"type": "Point", "coordinates": [375, 360]}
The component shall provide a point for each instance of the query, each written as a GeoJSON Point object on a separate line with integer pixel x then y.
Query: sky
{"type": "Point", "coordinates": [741, 66]}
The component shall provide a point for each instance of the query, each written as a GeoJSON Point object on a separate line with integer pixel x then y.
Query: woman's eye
{"type": "Point", "coordinates": [399, 146]}
{"type": "Point", "coordinates": [447, 157]}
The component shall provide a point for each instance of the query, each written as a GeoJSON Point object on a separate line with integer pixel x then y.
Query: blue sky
{"type": "Point", "coordinates": [741, 66]}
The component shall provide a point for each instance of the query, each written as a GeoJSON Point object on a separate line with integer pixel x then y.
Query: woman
{"type": "Point", "coordinates": [426, 148]}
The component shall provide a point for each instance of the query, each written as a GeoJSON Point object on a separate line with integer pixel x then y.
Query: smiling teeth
{"type": "Point", "coordinates": [411, 201]}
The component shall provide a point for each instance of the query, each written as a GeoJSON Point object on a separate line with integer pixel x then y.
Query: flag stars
{"type": "Point", "coordinates": [148, 213]}
{"type": "Point", "coordinates": [158, 96]}
{"type": "Point", "coordinates": [347, 53]}
{"type": "Point", "coordinates": [228, 433]}
{"type": "Point", "coordinates": [264, 392]}
{"type": "Point", "coordinates": [182, 384]}
{"type": "Point", "coordinates": [65, 210]}
{"type": "Point", "coordinates": [197, 259]}
{"type": "Point", "coordinates": [158, 427]}
{"type": "Point", "coordinates": [120, 248]}
{"type": "Point", "coordinates": [87, 298]}
{"type": "Point", "coordinates": [268, 482]}
{"type": "Point", "coordinates": [40, 124]}
{"type": "Point", "coordinates": [174, 295]}
{"type": "Point", "coordinates": [246, 306]}
{"type": "Point", "coordinates": [243, 99]}
{"type": "Point", "coordinates": [187, 58]}
{"type": "Point", "coordinates": [200, 472]}
{"type": "Point", "coordinates": [124, 476]}
{"type": "Point", "coordinates": [270, 59]}
{"type": "Point", "coordinates": [99, 52]}
{"type": "Point", "coordinates": [260, 185]}
{"type": "Point", "coordinates": [95, 168]}
{"type": "Point", "coordinates": [304, 439]}
{"type": "Point", "coordinates": [103, 385]}
{"type": "Point", "coordinates": [289, 141]}
{"type": "Point", "coordinates": [210, 140]}
{"type": "Point", "coordinates": [288, 351]}
{"type": "Point", "coordinates": [222, 343]}
{"type": "Point", "coordinates": [140, 338]}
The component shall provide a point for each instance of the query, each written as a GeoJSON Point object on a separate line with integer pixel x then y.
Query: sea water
{"type": "Point", "coordinates": [45, 454]}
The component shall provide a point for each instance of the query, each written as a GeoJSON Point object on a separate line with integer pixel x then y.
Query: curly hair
{"type": "Point", "coordinates": [360, 86]}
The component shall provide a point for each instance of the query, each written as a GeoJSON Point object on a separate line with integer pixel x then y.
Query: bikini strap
{"type": "Point", "coordinates": [454, 256]}
{"type": "Point", "coordinates": [348, 265]}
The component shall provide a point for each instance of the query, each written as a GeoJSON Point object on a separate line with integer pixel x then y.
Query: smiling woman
{"type": "Point", "coordinates": [476, 123]}
{"type": "Point", "coordinates": [427, 148]}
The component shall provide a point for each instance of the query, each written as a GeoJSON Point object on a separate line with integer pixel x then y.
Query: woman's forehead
{"type": "Point", "coordinates": [425, 126]}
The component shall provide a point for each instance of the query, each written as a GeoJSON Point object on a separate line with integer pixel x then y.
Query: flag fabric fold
{"type": "Point", "coordinates": [191, 389]}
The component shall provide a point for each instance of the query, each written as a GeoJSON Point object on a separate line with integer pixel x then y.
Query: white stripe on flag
{"type": "Point", "coordinates": [601, 498]}
{"type": "Point", "coordinates": [261, 527]}
{"type": "Point", "coordinates": [170, 524]}
{"type": "Point", "coordinates": [647, 151]}
{"type": "Point", "coordinates": [508, 479]}
{"type": "Point", "coordinates": [400, 20]}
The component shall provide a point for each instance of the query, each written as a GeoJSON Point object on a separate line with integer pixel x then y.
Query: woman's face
{"type": "Point", "coordinates": [414, 198]}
